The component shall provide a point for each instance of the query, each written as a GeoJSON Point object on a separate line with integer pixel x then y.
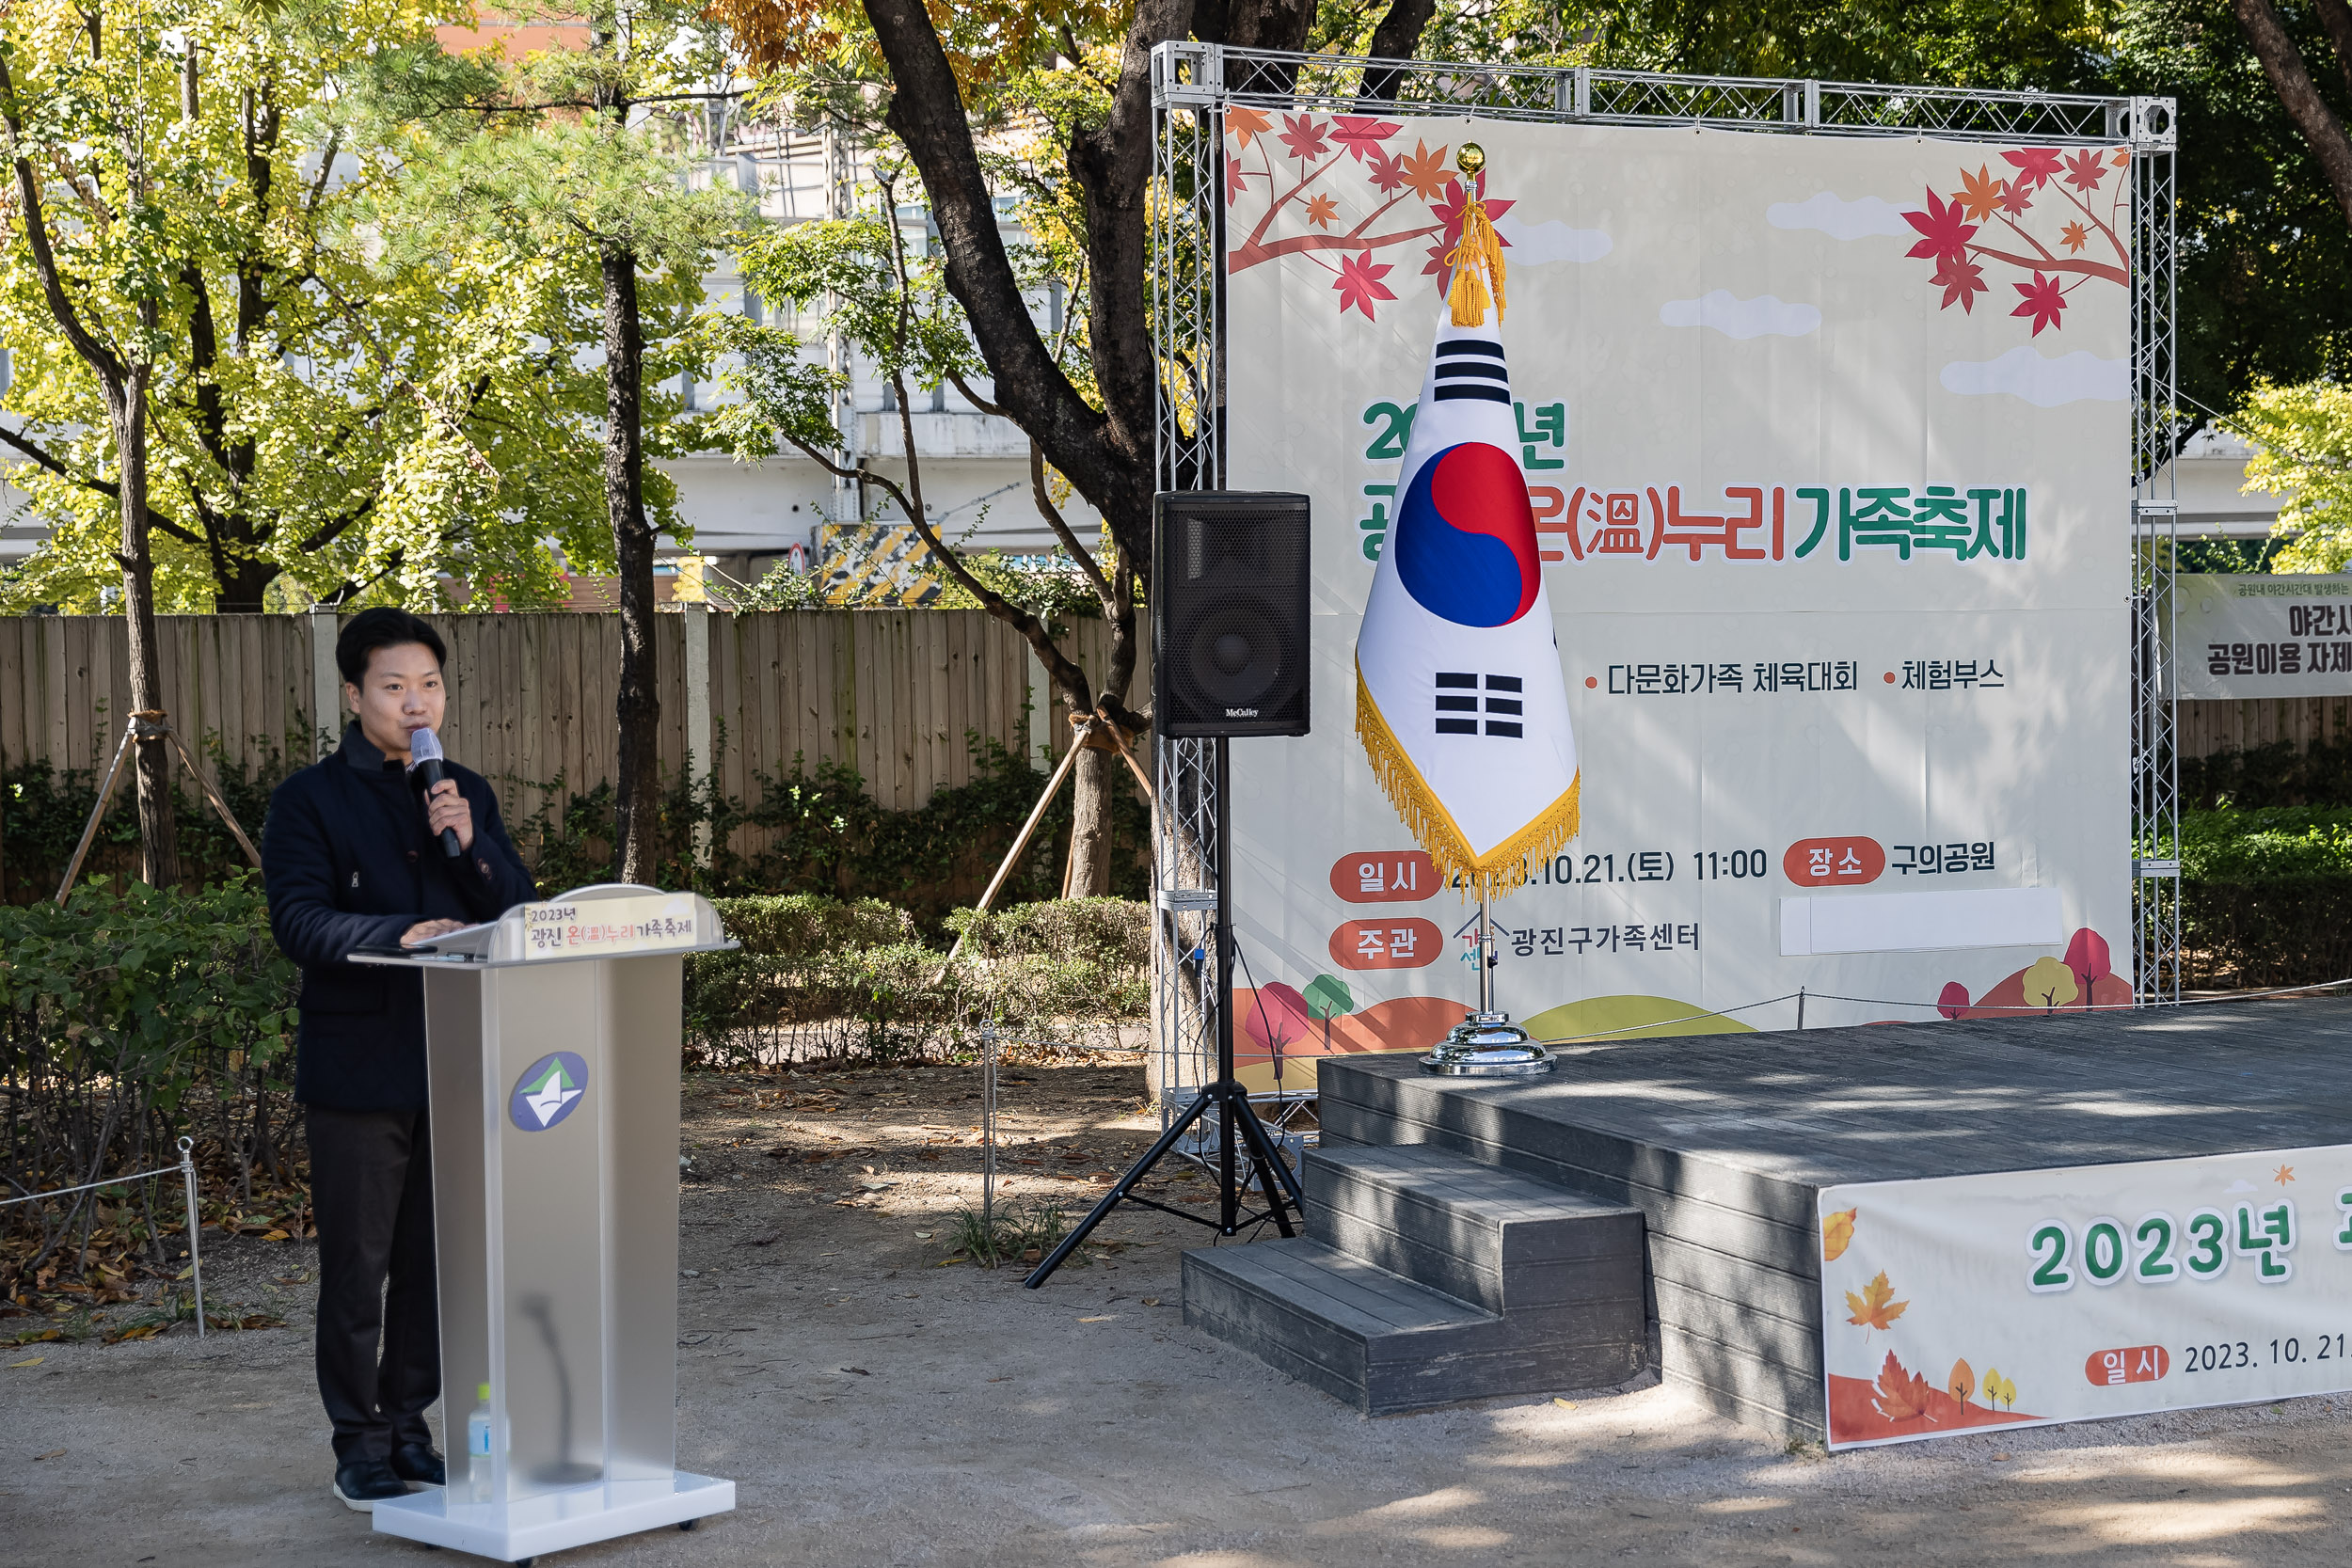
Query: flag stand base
{"type": "Point", "coordinates": [1487, 1045]}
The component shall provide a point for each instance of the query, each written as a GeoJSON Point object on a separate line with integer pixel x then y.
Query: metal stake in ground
{"type": "Point", "coordinates": [1235, 1119]}
{"type": "Point", "coordinates": [196, 1253]}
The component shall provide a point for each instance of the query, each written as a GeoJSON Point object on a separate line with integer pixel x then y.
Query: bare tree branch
{"type": "Point", "coordinates": [1111, 468]}
{"type": "Point", "coordinates": [99, 357]}
{"type": "Point", "coordinates": [2283, 64]}
{"type": "Point", "coordinates": [44, 459]}
{"type": "Point", "coordinates": [1397, 38]}
{"type": "Point", "coordinates": [975, 399]}
{"type": "Point", "coordinates": [1053, 520]}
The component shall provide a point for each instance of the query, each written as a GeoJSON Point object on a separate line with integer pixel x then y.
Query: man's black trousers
{"type": "Point", "coordinates": [379, 1337]}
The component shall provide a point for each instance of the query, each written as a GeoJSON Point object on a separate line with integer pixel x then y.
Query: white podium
{"type": "Point", "coordinates": [552, 1043]}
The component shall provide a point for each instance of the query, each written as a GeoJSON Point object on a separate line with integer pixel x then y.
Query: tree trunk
{"type": "Point", "coordinates": [2332, 149]}
{"type": "Point", "coordinates": [1093, 776]}
{"type": "Point", "coordinates": [638, 709]}
{"type": "Point", "coordinates": [159, 848]}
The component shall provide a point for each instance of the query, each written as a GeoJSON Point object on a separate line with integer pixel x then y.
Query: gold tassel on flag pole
{"type": "Point", "coordinates": [1477, 256]}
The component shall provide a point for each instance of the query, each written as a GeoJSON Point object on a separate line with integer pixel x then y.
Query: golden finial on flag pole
{"type": "Point", "coordinates": [1477, 256]}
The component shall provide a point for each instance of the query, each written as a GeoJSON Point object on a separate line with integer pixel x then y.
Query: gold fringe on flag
{"type": "Point", "coordinates": [1500, 869]}
{"type": "Point", "coordinates": [1477, 256]}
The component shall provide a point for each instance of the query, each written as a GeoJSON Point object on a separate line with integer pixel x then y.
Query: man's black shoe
{"type": "Point", "coordinates": [416, 1462]}
{"type": "Point", "coordinates": [364, 1482]}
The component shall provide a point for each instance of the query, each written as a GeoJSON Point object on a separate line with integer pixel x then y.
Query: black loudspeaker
{"type": "Point", "coordinates": [1229, 613]}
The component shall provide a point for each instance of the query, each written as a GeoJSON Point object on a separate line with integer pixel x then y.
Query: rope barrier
{"type": "Point", "coordinates": [2000, 1008]}
{"type": "Point", "coordinates": [187, 1169]}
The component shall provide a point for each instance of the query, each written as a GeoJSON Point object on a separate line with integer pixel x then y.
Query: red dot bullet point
{"type": "Point", "coordinates": [1888, 677]}
{"type": "Point", "coordinates": [1591, 681]}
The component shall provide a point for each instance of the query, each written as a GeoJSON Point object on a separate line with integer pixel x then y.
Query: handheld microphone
{"type": "Point", "coordinates": [424, 755]}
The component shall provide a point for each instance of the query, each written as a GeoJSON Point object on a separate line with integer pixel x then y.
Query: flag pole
{"type": "Point", "coordinates": [1486, 948]}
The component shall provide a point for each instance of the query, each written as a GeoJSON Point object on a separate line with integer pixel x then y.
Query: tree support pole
{"type": "Point", "coordinates": [148, 724]}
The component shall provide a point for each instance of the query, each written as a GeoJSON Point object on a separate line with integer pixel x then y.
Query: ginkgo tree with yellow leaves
{"type": "Point", "coordinates": [323, 420]}
{"type": "Point", "coordinates": [2304, 437]}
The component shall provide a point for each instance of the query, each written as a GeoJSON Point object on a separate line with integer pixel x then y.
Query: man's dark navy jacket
{"type": "Point", "coordinates": [349, 862]}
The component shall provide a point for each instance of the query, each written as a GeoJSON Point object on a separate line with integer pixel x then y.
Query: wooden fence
{"type": "Point", "coordinates": [893, 694]}
{"type": "Point", "coordinates": [2242, 724]}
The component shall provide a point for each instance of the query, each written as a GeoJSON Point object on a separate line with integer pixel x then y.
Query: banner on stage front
{"type": "Point", "coordinates": [2029, 1297]}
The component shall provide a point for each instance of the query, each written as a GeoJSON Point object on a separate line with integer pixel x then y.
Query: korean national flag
{"type": "Point", "coordinates": [1460, 702]}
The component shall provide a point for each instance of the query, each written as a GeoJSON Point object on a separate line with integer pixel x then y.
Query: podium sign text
{"type": "Point", "coordinates": [609, 927]}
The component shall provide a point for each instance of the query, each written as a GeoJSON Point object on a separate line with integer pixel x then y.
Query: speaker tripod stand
{"type": "Point", "coordinates": [1237, 1123]}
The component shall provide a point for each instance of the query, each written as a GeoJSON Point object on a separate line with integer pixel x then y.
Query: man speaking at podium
{"type": "Point", "coordinates": [355, 855]}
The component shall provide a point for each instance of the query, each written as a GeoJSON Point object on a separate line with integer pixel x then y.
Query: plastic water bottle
{"type": "Point", "coordinates": [478, 1447]}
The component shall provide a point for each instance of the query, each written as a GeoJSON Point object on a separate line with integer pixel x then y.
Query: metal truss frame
{"type": "Point", "coordinates": [1192, 85]}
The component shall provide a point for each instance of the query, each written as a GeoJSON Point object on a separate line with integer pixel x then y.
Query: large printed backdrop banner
{"type": "Point", "coordinates": [1826, 442]}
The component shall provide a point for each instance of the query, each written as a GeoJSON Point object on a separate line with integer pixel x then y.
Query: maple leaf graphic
{"type": "Point", "coordinates": [1386, 174]}
{"type": "Point", "coordinates": [2044, 300]}
{"type": "Point", "coordinates": [1901, 1395]}
{"type": "Point", "coordinates": [2086, 170]}
{"type": "Point", "coordinates": [1941, 231]}
{"type": "Point", "coordinates": [1979, 193]}
{"type": "Point", "coordinates": [1359, 284]}
{"type": "Point", "coordinates": [2074, 236]}
{"type": "Point", "coordinates": [1961, 280]}
{"type": "Point", "coordinates": [1321, 210]}
{"type": "Point", "coordinates": [1303, 136]}
{"type": "Point", "coordinates": [2036, 165]}
{"type": "Point", "coordinates": [1448, 211]}
{"type": "Point", "coordinates": [1362, 135]}
{"type": "Point", "coordinates": [1237, 182]}
{"type": "Point", "coordinates": [1246, 122]}
{"type": "Point", "coordinates": [1423, 171]}
{"type": "Point", "coordinates": [1876, 1307]}
{"type": "Point", "coordinates": [1838, 1234]}
{"type": "Point", "coordinates": [2122, 157]}
{"type": "Point", "coordinates": [2014, 201]}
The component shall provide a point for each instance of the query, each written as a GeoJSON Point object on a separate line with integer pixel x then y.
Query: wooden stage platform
{"type": "Point", "coordinates": [1720, 1143]}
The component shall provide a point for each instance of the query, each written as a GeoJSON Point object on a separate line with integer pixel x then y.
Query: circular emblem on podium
{"type": "Point", "coordinates": [548, 1091]}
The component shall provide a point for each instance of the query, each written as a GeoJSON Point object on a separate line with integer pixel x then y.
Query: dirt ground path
{"type": "Point", "coordinates": [875, 1408]}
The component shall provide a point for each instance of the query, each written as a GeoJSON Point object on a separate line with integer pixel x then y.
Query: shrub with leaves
{"type": "Point", "coordinates": [2265, 895]}
{"type": "Point", "coordinates": [821, 978]}
{"type": "Point", "coordinates": [126, 1022]}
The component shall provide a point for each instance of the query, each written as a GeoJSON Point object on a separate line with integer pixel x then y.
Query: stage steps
{"type": "Point", "coordinates": [1425, 1278]}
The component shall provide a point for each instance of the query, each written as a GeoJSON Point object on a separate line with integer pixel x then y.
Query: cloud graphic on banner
{"type": "Point", "coordinates": [1734, 317]}
{"type": "Point", "coordinates": [2241, 1185]}
{"type": "Point", "coordinates": [1840, 220]}
{"type": "Point", "coordinates": [1534, 244]}
{"type": "Point", "coordinates": [2044, 382]}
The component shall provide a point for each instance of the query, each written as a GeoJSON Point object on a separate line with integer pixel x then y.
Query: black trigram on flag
{"type": "Point", "coordinates": [1458, 703]}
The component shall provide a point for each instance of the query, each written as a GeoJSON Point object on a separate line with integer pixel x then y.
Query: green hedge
{"type": "Point", "coordinates": [823, 979]}
{"type": "Point", "coordinates": [125, 1023]}
{"type": "Point", "coordinates": [2265, 895]}
{"type": "Point", "coordinates": [823, 833]}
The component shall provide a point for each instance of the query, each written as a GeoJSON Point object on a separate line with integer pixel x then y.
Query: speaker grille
{"type": "Point", "coordinates": [1229, 624]}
